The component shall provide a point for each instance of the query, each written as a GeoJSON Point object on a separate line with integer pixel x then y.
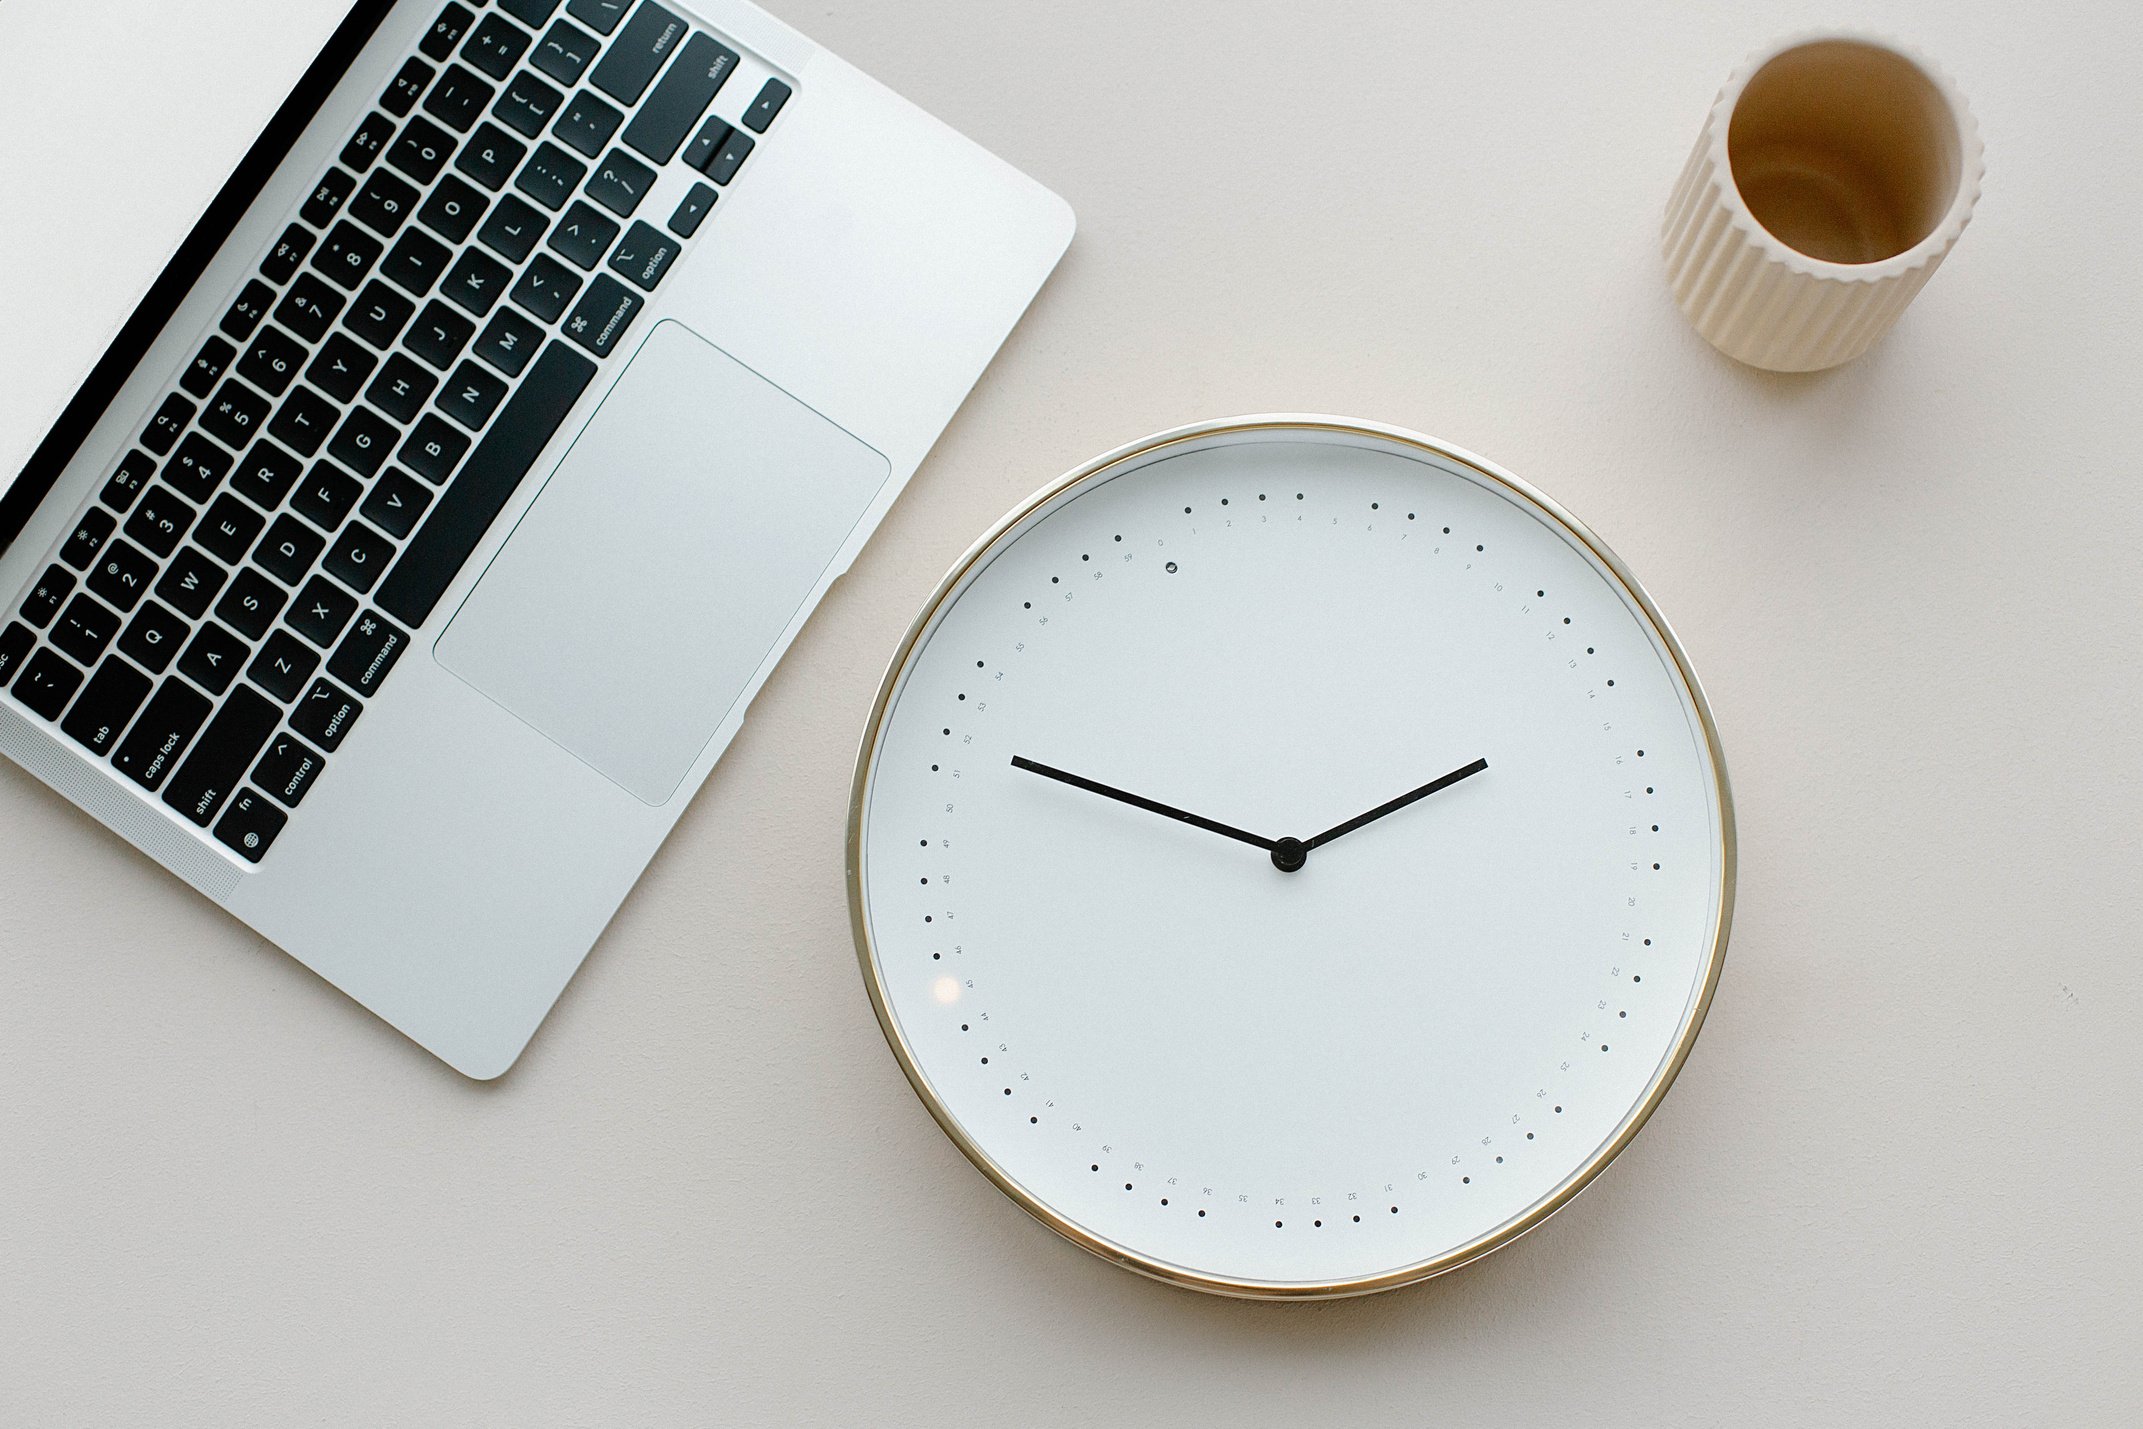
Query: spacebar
{"type": "Point", "coordinates": [485, 483]}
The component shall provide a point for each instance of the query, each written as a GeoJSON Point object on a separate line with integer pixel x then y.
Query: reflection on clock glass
{"type": "Point", "coordinates": [1290, 857]}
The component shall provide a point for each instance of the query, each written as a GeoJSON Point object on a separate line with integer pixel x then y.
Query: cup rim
{"type": "Point", "coordinates": [1971, 157]}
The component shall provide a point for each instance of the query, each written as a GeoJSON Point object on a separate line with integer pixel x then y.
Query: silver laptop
{"type": "Point", "coordinates": [404, 566]}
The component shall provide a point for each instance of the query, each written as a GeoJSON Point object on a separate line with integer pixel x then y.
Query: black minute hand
{"type": "Point", "coordinates": [1165, 811]}
{"type": "Point", "coordinates": [1399, 803]}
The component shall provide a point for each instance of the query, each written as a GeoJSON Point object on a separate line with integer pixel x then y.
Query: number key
{"type": "Point", "coordinates": [122, 575]}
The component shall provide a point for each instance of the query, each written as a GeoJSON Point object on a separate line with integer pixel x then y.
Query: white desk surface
{"type": "Point", "coordinates": [1897, 1182]}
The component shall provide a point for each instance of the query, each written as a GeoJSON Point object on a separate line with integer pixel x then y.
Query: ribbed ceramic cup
{"type": "Point", "coordinates": [1834, 174]}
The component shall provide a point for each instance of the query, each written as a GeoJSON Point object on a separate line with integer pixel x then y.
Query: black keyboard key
{"type": "Point", "coordinates": [728, 156]}
{"type": "Point", "coordinates": [379, 313]}
{"type": "Point", "coordinates": [692, 210]}
{"type": "Point", "coordinates": [384, 204]}
{"type": "Point", "coordinates": [235, 415]}
{"type": "Point", "coordinates": [477, 282]}
{"type": "Point", "coordinates": [108, 702]}
{"type": "Point", "coordinates": [471, 396]}
{"type": "Point", "coordinates": [529, 12]}
{"type": "Point", "coordinates": [603, 314]}
{"type": "Point", "coordinates": [152, 638]}
{"type": "Point", "coordinates": [366, 143]}
{"type": "Point", "coordinates": [282, 261]}
{"type": "Point", "coordinates": [190, 582]}
{"type": "Point", "coordinates": [16, 642]}
{"type": "Point", "coordinates": [601, 16]}
{"type": "Point", "coordinates": [90, 533]}
{"type": "Point", "coordinates": [564, 52]}
{"type": "Point", "coordinates": [491, 155]}
{"type": "Point", "coordinates": [439, 334]}
{"type": "Point", "coordinates": [452, 210]}
{"type": "Point", "coordinates": [253, 601]}
{"type": "Point", "coordinates": [677, 103]}
{"type": "Point", "coordinates": [325, 715]}
{"type": "Point", "coordinates": [287, 552]}
{"type": "Point", "coordinates": [251, 823]}
{"type": "Point", "coordinates": [273, 360]}
{"type": "Point", "coordinates": [127, 480]}
{"type": "Point", "coordinates": [407, 87]}
{"type": "Point", "coordinates": [708, 142]}
{"type": "Point", "coordinates": [550, 176]}
{"type": "Point", "coordinates": [266, 475]}
{"type": "Point", "coordinates": [161, 521]}
{"type": "Point", "coordinates": [220, 757]}
{"type": "Point", "coordinates": [214, 658]}
{"type": "Point", "coordinates": [287, 770]}
{"type": "Point", "coordinates": [587, 124]}
{"type": "Point", "coordinates": [358, 557]}
{"type": "Point", "coordinates": [168, 422]}
{"type": "Point", "coordinates": [303, 421]}
{"type": "Point", "coordinates": [363, 441]}
{"type": "Point", "coordinates": [459, 98]}
{"type": "Point", "coordinates": [346, 255]}
{"type": "Point", "coordinates": [527, 105]}
{"type": "Point", "coordinates": [494, 471]}
{"type": "Point", "coordinates": [309, 308]}
{"type": "Point", "coordinates": [197, 467]}
{"type": "Point", "coordinates": [583, 236]}
{"type": "Point", "coordinates": [508, 342]}
{"type": "Point", "coordinates": [401, 389]}
{"type": "Point", "coordinates": [395, 502]}
{"type": "Point", "coordinates": [149, 754]}
{"type": "Point", "coordinates": [283, 666]}
{"type": "Point", "coordinates": [341, 368]}
{"type": "Point", "coordinates": [247, 309]}
{"type": "Point", "coordinates": [644, 256]}
{"type": "Point", "coordinates": [772, 95]}
{"type": "Point", "coordinates": [496, 47]}
{"type": "Point", "coordinates": [327, 198]}
{"type": "Point", "coordinates": [434, 449]}
{"type": "Point", "coordinates": [638, 51]}
{"type": "Point", "coordinates": [122, 575]}
{"type": "Point", "coordinates": [83, 630]}
{"type": "Point", "coordinates": [367, 653]}
{"type": "Point", "coordinates": [46, 683]}
{"type": "Point", "coordinates": [45, 598]}
{"type": "Point", "coordinates": [325, 496]}
{"type": "Point", "coordinates": [446, 32]}
{"type": "Point", "coordinates": [620, 182]}
{"type": "Point", "coordinates": [228, 529]}
{"type": "Point", "coordinates": [546, 288]}
{"type": "Point", "coordinates": [208, 365]}
{"type": "Point", "coordinates": [421, 150]}
{"type": "Point", "coordinates": [514, 229]}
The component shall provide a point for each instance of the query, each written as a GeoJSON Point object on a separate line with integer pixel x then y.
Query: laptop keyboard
{"type": "Point", "coordinates": [372, 398]}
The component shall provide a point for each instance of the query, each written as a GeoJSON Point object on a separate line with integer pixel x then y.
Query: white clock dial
{"type": "Point", "coordinates": [1278, 1070]}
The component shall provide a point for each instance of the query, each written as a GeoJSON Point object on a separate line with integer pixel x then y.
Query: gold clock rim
{"type": "Point", "coordinates": [1493, 1240]}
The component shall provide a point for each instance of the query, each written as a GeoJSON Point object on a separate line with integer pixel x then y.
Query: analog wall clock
{"type": "Point", "coordinates": [1290, 857]}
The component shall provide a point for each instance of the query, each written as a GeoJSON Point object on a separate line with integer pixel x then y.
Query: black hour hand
{"type": "Point", "coordinates": [1151, 806]}
{"type": "Point", "coordinates": [1445, 782]}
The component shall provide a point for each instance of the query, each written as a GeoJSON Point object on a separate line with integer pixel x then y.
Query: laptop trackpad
{"type": "Point", "coordinates": [673, 545]}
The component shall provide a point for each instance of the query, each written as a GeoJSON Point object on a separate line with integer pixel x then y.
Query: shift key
{"type": "Point", "coordinates": [148, 754]}
{"type": "Point", "coordinates": [683, 95]}
{"type": "Point", "coordinates": [222, 755]}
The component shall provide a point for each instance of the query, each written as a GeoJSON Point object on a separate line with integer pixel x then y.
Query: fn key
{"type": "Point", "coordinates": [250, 824]}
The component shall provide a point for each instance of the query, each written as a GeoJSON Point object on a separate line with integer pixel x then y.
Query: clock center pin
{"type": "Point", "coordinates": [1290, 854]}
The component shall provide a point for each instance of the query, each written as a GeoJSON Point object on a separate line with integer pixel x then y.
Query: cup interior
{"type": "Point", "coordinates": [1845, 151]}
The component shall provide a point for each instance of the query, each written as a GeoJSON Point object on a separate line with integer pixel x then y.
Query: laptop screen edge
{"type": "Point", "coordinates": [21, 499]}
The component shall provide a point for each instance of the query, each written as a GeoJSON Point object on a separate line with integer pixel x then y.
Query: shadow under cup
{"type": "Point", "coordinates": [1845, 151]}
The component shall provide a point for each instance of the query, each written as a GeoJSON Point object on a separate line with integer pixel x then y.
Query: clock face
{"type": "Point", "coordinates": [1134, 941]}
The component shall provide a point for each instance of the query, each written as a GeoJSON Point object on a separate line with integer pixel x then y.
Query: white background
{"type": "Point", "coordinates": [1897, 1181]}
